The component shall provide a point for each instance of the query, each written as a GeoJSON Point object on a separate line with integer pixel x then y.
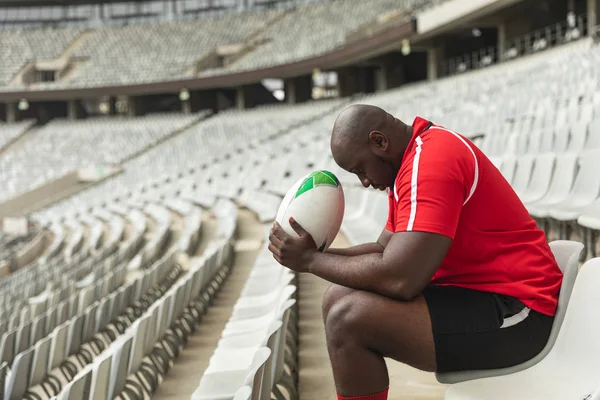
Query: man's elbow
{"type": "Point", "coordinates": [402, 290]}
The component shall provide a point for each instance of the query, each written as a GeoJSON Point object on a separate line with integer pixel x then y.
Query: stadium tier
{"type": "Point", "coordinates": [65, 146]}
{"type": "Point", "coordinates": [174, 50]}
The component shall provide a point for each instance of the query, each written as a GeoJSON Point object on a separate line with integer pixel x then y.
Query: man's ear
{"type": "Point", "coordinates": [378, 141]}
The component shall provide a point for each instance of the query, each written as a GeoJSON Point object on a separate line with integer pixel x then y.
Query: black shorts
{"type": "Point", "coordinates": [480, 330]}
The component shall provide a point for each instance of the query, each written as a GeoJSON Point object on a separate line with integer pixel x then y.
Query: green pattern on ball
{"type": "Point", "coordinates": [322, 248]}
{"type": "Point", "coordinates": [315, 179]}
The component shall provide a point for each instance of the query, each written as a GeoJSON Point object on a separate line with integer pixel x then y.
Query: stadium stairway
{"type": "Point", "coordinates": [183, 377]}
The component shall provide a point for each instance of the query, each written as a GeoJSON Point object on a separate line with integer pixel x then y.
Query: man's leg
{"type": "Point", "coordinates": [362, 328]}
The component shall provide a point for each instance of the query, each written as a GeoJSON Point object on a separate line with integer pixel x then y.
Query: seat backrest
{"type": "Point", "coordinates": [41, 355]}
{"type": "Point", "coordinates": [563, 177]}
{"type": "Point", "coordinates": [58, 348]}
{"type": "Point", "coordinates": [3, 368]}
{"type": "Point", "coordinates": [578, 136]}
{"type": "Point", "coordinates": [543, 169]}
{"type": "Point", "coordinates": [137, 352]}
{"type": "Point", "coordinates": [18, 382]}
{"type": "Point", "coordinates": [38, 329]}
{"type": "Point", "coordinates": [7, 347]}
{"type": "Point", "coordinates": [273, 339]}
{"type": "Point", "coordinates": [254, 377]}
{"type": "Point", "coordinates": [23, 338]}
{"type": "Point", "coordinates": [378, 208]}
{"type": "Point", "coordinates": [566, 253]}
{"type": "Point", "coordinates": [577, 343]}
{"type": "Point", "coordinates": [79, 389]}
{"type": "Point", "coordinates": [523, 171]}
{"type": "Point", "coordinates": [594, 136]}
{"type": "Point", "coordinates": [279, 354]}
{"type": "Point", "coordinates": [561, 140]}
{"type": "Point", "coordinates": [546, 141]}
{"type": "Point", "coordinates": [243, 393]}
{"type": "Point", "coordinates": [587, 182]}
{"type": "Point", "coordinates": [75, 334]}
{"type": "Point", "coordinates": [508, 168]}
{"type": "Point", "coordinates": [100, 378]}
{"type": "Point", "coordinates": [120, 365]}
{"type": "Point", "coordinates": [522, 139]}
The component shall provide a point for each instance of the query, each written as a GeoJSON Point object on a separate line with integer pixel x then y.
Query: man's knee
{"type": "Point", "coordinates": [346, 319]}
{"type": "Point", "coordinates": [333, 294]}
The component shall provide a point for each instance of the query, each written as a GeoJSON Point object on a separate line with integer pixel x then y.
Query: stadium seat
{"type": "Point", "coordinates": [541, 176]}
{"type": "Point", "coordinates": [567, 255]}
{"type": "Point", "coordinates": [559, 189]}
{"type": "Point", "coordinates": [569, 370]}
{"type": "Point", "coordinates": [523, 174]}
{"type": "Point", "coordinates": [585, 189]}
{"type": "Point", "coordinates": [224, 385]}
{"type": "Point", "coordinates": [366, 226]}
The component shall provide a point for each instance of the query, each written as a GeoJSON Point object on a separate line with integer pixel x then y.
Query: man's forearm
{"type": "Point", "coordinates": [363, 272]}
{"type": "Point", "coordinates": [366, 248]}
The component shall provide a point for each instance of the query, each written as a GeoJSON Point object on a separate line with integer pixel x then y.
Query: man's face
{"type": "Point", "coordinates": [372, 170]}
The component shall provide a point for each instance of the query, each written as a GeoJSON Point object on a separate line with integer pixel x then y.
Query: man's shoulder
{"type": "Point", "coordinates": [439, 144]}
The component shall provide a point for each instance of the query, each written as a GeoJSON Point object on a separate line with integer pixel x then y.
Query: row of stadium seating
{"type": "Point", "coordinates": [87, 307]}
{"type": "Point", "coordinates": [22, 46]}
{"type": "Point", "coordinates": [63, 146]}
{"type": "Point", "coordinates": [171, 50]}
{"type": "Point", "coordinates": [258, 350]}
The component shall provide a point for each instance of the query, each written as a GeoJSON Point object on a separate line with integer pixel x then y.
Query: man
{"type": "Point", "coordinates": [461, 278]}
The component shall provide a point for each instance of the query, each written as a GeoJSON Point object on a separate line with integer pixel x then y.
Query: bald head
{"type": "Point", "coordinates": [353, 125]}
{"type": "Point", "coordinates": [366, 137]}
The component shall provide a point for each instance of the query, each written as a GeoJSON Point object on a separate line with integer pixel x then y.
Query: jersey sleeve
{"type": "Point", "coordinates": [391, 222]}
{"type": "Point", "coordinates": [436, 184]}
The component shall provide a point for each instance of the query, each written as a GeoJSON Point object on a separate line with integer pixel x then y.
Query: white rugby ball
{"type": "Point", "coordinates": [317, 203]}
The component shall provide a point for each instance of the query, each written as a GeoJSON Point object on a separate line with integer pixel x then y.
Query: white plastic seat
{"type": "Point", "coordinates": [243, 393]}
{"type": "Point", "coordinates": [100, 377]}
{"type": "Point", "coordinates": [509, 164]}
{"type": "Point", "coordinates": [523, 172]}
{"type": "Point", "coordinates": [262, 322]}
{"type": "Point", "coordinates": [249, 306]}
{"type": "Point", "coordinates": [367, 227]}
{"type": "Point", "coordinates": [579, 136]}
{"type": "Point", "coordinates": [567, 255]}
{"type": "Point", "coordinates": [570, 370]}
{"type": "Point", "coordinates": [560, 186]}
{"type": "Point", "coordinates": [594, 136]}
{"type": "Point", "coordinates": [232, 358]}
{"type": "Point", "coordinates": [224, 385]}
{"type": "Point", "coordinates": [17, 382]}
{"type": "Point", "coordinates": [266, 283]}
{"type": "Point", "coordinates": [541, 176]}
{"type": "Point", "coordinates": [585, 190]}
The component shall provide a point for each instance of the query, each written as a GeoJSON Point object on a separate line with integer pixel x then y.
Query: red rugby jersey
{"type": "Point", "coordinates": [446, 185]}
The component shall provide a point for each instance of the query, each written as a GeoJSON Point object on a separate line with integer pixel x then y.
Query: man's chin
{"type": "Point", "coordinates": [382, 188]}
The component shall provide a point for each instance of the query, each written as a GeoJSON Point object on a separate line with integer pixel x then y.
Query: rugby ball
{"type": "Point", "coordinates": [316, 202]}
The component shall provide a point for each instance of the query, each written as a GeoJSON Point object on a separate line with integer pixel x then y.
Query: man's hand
{"type": "Point", "coordinates": [293, 253]}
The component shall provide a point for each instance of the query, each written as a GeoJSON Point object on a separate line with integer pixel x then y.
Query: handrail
{"type": "Point", "coordinates": [532, 42]}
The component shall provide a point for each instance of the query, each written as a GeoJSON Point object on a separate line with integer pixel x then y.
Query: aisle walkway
{"type": "Point", "coordinates": [316, 379]}
{"type": "Point", "coordinates": [185, 375]}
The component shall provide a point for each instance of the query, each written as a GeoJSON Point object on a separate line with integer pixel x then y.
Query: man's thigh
{"type": "Point", "coordinates": [400, 330]}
